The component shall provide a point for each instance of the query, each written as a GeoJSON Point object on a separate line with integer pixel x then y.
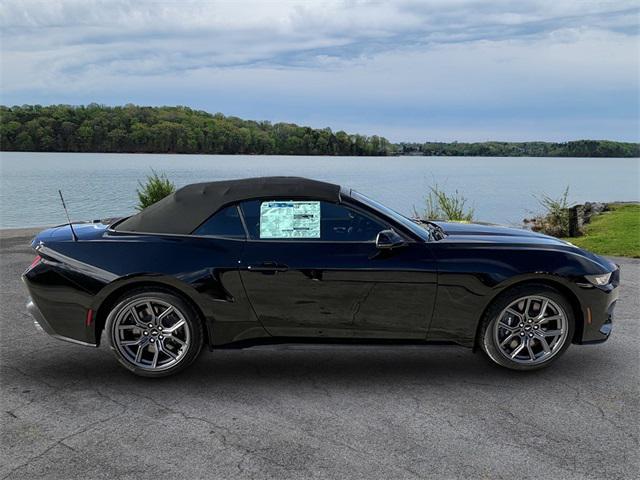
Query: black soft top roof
{"type": "Point", "coordinates": [186, 209]}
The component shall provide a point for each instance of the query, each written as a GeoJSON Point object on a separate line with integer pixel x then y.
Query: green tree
{"type": "Point", "coordinates": [132, 128]}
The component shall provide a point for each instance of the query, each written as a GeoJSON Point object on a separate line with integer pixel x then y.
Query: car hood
{"type": "Point", "coordinates": [475, 232]}
{"type": "Point", "coordinates": [497, 234]}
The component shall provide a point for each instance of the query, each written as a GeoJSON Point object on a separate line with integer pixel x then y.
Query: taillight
{"type": "Point", "coordinates": [35, 262]}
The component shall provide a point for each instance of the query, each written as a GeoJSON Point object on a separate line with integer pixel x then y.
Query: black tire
{"type": "Point", "coordinates": [487, 335]}
{"type": "Point", "coordinates": [192, 329]}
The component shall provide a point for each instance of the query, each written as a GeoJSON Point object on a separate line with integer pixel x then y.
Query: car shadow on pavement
{"type": "Point", "coordinates": [353, 367]}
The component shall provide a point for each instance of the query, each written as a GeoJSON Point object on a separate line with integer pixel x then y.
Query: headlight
{"type": "Point", "coordinates": [602, 279]}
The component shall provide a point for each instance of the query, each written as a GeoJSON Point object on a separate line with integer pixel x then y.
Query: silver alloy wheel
{"type": "Point", "coordinates": [531, 330]}
{"type": "Point", "coordinates": [151, 333]}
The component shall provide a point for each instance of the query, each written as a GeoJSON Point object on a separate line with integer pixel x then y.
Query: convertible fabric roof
{"type": "Point", "coordinates": [186, 209]}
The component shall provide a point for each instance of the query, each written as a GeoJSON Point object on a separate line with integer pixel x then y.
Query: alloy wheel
{"type": "Point", "coordinates": [531, 330]}
{"type": "Point", "coordinates": [151, 334]}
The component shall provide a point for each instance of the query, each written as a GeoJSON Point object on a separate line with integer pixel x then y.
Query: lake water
{"type": "Point", "coordinates": [501, 189]}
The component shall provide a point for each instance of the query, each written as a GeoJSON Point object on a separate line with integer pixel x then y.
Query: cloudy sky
{"type": "Point", "coordinates": [409, 70]}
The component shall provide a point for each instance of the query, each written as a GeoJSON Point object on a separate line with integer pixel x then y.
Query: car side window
{"type": "Point", "coordinates": [224, 223]}
{"type": "Point", "coordinates": [298, 220]}
{"type": "Point", "coordinates": [340, 223]}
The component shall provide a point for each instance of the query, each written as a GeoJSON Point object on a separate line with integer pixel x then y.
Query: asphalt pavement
{"type": "Point", "coordinates": [438, 412]}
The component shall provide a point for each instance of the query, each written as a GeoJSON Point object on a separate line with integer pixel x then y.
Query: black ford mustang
{"type": "Point", "coordinates": [238, 263]}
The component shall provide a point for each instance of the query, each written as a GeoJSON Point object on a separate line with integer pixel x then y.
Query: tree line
{"type": "Point", "coordinates": [578, 148]}
{"type": "Point", "coordinates": [136, 129]}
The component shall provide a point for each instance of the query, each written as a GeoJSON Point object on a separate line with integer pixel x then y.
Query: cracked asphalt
{"type": "Point", "coordinates": [346, 413]}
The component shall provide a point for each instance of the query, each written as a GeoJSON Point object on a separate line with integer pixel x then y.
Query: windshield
{"type": "Point", "coordinates": [421, 230]}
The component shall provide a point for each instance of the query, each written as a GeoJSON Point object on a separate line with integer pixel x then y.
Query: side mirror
{"type": "Point", "coordinates": [388, 239]}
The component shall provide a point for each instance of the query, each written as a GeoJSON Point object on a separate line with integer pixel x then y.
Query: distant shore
{"type": "Point", "coordinates": [267, 155]}
{"type": "Point", "coordinates": [97, 128]}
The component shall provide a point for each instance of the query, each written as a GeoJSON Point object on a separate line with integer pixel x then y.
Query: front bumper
{"type": "Point", "coordinates": [599, 328]}
{"type": "Point", "coordinates": [598, 305]}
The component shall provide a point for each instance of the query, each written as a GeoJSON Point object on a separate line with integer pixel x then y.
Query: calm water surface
{"type": "Point", "coordinates": [500, 189]}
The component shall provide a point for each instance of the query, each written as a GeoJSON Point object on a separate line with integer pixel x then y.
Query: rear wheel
{"type": "Point", "coordinates": [154, 333]}
{"type": "Point", "coordinates": [527, 328]}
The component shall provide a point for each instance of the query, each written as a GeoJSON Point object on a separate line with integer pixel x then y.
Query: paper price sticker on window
{"type": "Point", "coordinates": [290, 219]}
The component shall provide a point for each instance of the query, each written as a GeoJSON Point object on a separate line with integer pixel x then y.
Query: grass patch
{"type": "Point", "coordinates": [615, 233]}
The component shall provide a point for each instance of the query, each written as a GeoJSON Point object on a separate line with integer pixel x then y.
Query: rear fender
{"type": "Point", "coordinates": [106, 299]}
{"type": "Point", "coordinates": [222, 305]}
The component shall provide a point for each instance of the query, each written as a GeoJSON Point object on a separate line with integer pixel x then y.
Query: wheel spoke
{"type": "Point", "coordinates": [139, 352]}
{"type": "Point", "coordinates": [508, 339]}
{"type": "Point", "coordinates": [164, 314]}
{"type": "Point", "coordinates": [154, 362]}
{"type": "Point", "coordinates": [532, 355]}
{"type": "Point", "coordinates": [551, 333]}
{"type": "Point", "coordinates": [150, 308]}
{"type": "Point", "coordinates": [130, 343]}
{"type": "Point", "coordinates": [509, 327]}
{"type": "Point", "coordinates": [513, 312]}
{"type": "Point", "coordinates": [518, 349]}
{"type": "Point", "coordinates": [166, 351]}
{"type": "Point", "coordinates": [177, 340]}
{"type": "Point", "coordinates": [550, 319]}
{"type": "Point", "coordinates": [136, 317]}
{"type": "Point", "coordinates": [543, 308]}
{"type": "Point", "coordinates": [545, 345]}
{"type": "Point", "coordinates": [175, 326]}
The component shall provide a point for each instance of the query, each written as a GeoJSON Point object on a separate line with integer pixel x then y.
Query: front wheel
{"type": "Point", "coordinates": [154, 333]}
{"type": "Point", "coordinates": [527, 328]}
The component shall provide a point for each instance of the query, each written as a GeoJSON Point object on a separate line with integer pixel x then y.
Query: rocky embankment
{"type": "Point", "coordinates": [568, 222]}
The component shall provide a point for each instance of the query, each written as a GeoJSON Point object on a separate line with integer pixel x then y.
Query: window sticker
{"type": "Point", "coordinates": [289, 219]}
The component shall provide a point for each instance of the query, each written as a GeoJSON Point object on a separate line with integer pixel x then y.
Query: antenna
{"type": "Point", "coordinates": [73, 233]}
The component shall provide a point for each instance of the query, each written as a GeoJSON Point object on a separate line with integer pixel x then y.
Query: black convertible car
{"type": "Point", "coordinates": [281, 259]}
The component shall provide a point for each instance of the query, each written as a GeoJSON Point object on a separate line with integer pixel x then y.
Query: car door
{"type": "Point", "coordinates": [312, 269]}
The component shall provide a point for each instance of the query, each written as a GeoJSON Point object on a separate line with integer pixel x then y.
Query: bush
{"type": "Point", "coordinates": [555, 220]}
{"type": "Point", "coordinates": [443, 206]}
{"type": "Point", "coordinates": [154, 189]}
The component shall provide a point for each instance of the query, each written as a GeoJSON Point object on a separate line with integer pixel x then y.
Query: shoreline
{"type": "Point", "coordinates": [303, 155]}
{"type": "Point", "coordinates": [6, 233]}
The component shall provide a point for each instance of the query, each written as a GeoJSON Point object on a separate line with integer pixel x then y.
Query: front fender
{"type": "Point", "coordinates": [471, 276]}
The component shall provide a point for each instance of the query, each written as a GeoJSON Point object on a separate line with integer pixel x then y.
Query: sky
{"type": "Point", "coordinates": [431, 70]}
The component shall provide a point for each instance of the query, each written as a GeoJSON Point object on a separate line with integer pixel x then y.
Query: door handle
{"type": "Point", "coordinates": [269, 268]}
{"type": "Point", "coordinates": [278, 267]}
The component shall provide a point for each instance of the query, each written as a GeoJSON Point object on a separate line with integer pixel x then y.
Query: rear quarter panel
{"type": "Point", "coordinates": [90, 273]}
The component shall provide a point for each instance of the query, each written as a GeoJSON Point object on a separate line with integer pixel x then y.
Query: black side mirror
{"type": "Point", "coordinates": [388, 239]}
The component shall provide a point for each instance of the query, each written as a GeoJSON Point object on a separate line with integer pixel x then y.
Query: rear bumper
{"type": "Point", "coordinates": [41, 323]}
{"type": "Point", "coordinates": [38, 319]}
{"type": "Point", "coordinates": [59, 310]}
